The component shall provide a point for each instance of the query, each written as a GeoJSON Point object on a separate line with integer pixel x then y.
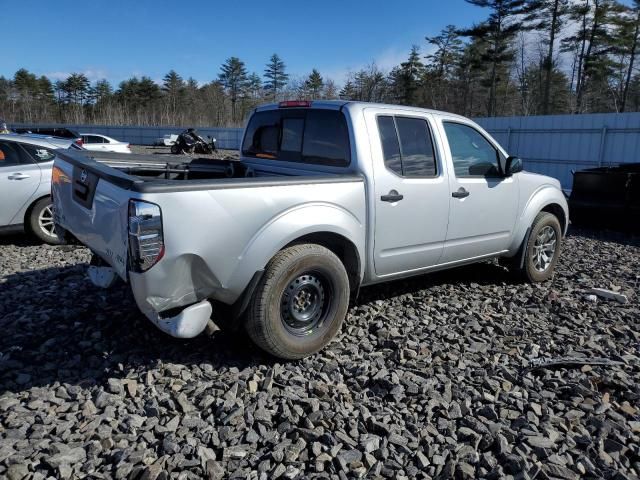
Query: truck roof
{"type": "Point", "coordinates": [355, 107]}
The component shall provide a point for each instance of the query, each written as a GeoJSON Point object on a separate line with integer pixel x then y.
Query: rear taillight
{"type": "Point", "coordinates": [79, 142]}
{"type": "Point", "coordinates": [294, 103]}
{"type": "Point", "coordinates": [146, 240]}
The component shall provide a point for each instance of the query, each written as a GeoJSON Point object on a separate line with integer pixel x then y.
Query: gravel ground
{"type": "Point", "coordinates": [218, 154]}
{"type": "Point", "coordinates": [431, 377]}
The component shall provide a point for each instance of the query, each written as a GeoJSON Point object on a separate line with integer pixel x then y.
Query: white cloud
{"type": "Point", "coordinates": [385, 61]}
{"type": "Point", "coordinates": [93, 74]}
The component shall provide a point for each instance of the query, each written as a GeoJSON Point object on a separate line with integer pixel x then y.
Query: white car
{"type": "Point", "coordinates": [25, 183]}
{"type": "Point", "coordinates": [101, 143]}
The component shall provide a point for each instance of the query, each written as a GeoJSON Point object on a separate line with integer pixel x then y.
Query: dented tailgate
{"type": "Point", "coordinates": [93, 210]}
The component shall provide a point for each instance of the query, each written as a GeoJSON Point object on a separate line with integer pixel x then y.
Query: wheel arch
{"type": "Point", "coordinates": [329, 225]}
{"type": "Point", "coordinates": [558, 211]}
{"type": "Point", "coordinates": [546, 199]}
{"type": "Point", "coordinates": [342, 247]}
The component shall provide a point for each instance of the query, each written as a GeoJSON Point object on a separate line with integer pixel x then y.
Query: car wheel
{"type": "Point", "coordinates": [300, 302]}
{"type": "Point", "coordinates": [41, 221]}
{"type": "Point", "coordinates": [543, 248]}
{"type": "Point", "coordinates": [175, 149]}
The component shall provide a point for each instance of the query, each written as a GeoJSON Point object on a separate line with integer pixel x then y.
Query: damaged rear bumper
{"type": "Point", "coordinates": [189, 323]}
{"type": "Point", "coordinates": [181, 321]}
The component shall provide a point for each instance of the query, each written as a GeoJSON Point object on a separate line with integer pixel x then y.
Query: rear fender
{"type": "Point", "coordinates": [286, 228]}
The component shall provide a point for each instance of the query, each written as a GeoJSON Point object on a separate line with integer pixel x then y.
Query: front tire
{"type": "Point", "coordinates": [300, 303]}
{"type": "Point", "coordinates": [543, 248]}
{"type": "Point", "coordinates": [41, 223]}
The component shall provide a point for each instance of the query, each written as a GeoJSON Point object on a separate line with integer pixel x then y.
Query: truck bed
{"type": "Point", "coordinates": [146, 173]}
{"type": "Point", "coordinates": [220, 225]}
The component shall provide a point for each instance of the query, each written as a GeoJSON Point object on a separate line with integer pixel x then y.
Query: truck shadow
{"type": "Point", "coordinates": [58, 328]}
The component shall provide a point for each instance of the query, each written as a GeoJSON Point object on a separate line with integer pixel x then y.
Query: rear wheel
{"type": "Point", "coordinates": [300, 303]}
{"type": "Point", "coordinates": [41, 221]}
{"type": "Point", "coordinates": [542, 248]}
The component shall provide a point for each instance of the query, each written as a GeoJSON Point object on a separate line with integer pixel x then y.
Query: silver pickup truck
{"type": "Point", "coordinates": [328, 196]}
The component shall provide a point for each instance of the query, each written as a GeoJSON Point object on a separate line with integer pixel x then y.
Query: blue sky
{"type": "Point", "coordinates": [117, 39]}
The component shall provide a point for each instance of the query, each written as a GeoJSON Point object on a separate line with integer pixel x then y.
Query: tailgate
{"type": "Point", "coordinates": [93, 209]}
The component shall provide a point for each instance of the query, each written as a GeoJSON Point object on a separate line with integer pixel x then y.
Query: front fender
{"type": "Point", "coordinates": [316, 217]}
{"type": "Point", "coordinates": [544, 196]}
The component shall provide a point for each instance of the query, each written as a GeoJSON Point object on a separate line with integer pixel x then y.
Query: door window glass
{"type": "Point", "coordinates": [407, 146]}
{"type": "Point", "coordinates": [390, 144]}
{"type": "Point", "coordinates": [471, 152]}
{"type": "Point", "coordinates": [418, 159]}
{"type": "Point", "coordinates": [10, 154]}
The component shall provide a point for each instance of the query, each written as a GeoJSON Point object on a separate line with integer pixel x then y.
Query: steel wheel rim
{"type": "Point", "coordinates": [544, 248]}
{"type": "Point", "coordinates": [45, 221]}
{"type": "Point", "coordinates": [304, 303]}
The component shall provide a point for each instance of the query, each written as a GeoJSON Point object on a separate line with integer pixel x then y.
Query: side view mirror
{"type": "Point", "coordinates": [513, 165]}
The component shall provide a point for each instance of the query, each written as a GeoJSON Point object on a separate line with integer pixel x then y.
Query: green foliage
{"type": "Point", "coordinates": [276, 76]}
{"type": "Point", "coordinates": [313, 85]}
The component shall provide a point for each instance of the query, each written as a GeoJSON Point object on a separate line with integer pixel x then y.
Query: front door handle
{"type": "Point", "coordinates": [461, 193]}
{"type": "Point", "coordinates": [392, 196]}
{"type": "Point", "coordinates": [18, 176]}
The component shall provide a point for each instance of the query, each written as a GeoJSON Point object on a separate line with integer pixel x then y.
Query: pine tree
{"type": "Point", "coordinates": [629, 35]}
{"type": "Point", "coordinates": [550, 19]}
{"type": "Point", "coordinates": [441, 64]}
{"type": "Point", "coordinates": [102, 91]}
{"type": "Point", "coordinates": [498, 31]}
{"type": "Point", "coordinates": [233, 76]}
{"type": "Point", "coordinates": [254, 86]}
{"type": "Point", "coordinates": [448, 50]}
{"type": "Point", "coordinates": [173, 87]}
{"type": "Point", "coordinates": [407, 78]}
{"type": "Point", "coordinates": [348, 91]}
{"type": "Point", "coordinates": [275, 73]}
{"type": "Point", "coordinates": [313, 85]}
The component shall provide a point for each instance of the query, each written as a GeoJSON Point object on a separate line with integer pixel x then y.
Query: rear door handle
{"type": "Point", "coordinates": [391, 197]}
{"type": "Point", "coordinates": [461, 193]}
{"type": "Point", "coordinates": [18, 176]}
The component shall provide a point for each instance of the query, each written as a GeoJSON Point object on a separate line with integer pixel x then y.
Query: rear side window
{"type": "Point", "coordinates": [93, 139]}
{"type": "Point", "coordinates": [407, 146]}
{"type": "Point", "coordinates": [39, 154]}
{"type": "Point", "coordinates": [312, 136]}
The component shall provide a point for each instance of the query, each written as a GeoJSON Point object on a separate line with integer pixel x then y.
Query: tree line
{"type": "Point", "coordinates": [527, 57]}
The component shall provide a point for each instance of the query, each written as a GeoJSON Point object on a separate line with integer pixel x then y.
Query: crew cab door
{"type": "Point", "coordinates": [483, 203]}
{"type": "Point", "coordinates": [19, 181]}
{"type": "Point", "coordinates": [411, 196]}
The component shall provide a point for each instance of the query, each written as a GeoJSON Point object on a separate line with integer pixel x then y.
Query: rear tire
{"type": "Point", "coordinates": [543, 248]}
{"type": "Point", "coordinates": [40, 221]}
{"type": "Point", "coordinates": [300, 303]}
